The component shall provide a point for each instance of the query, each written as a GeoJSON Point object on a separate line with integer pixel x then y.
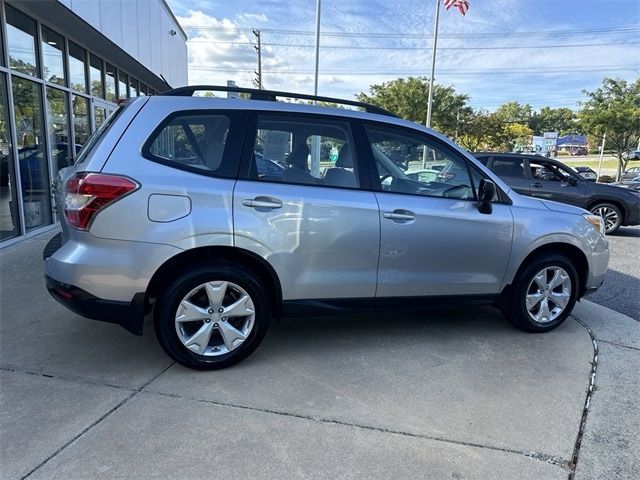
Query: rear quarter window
{"type": "Point", "coordinates": [196, 141]}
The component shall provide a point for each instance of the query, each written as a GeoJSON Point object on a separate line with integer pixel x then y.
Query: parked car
{"type": "Point", "coordinates": [268, 168]}
{"type": "Point", "coordinates": [544, 178]}
{"type": "Point", "coordinates": [631, 184]}
{"type": "Point", "coordinates": [214, 252]}
{"type": "Point", "coordinates": [587, 173]}
{"type": "Point", "coordinates": [630, 173]}
{"type": "Point", "coordinates": [631, 155]}
{"type": "Point", "coordinates": [423, 174]}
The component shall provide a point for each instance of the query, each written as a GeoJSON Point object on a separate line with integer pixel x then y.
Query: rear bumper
{"type": "Point", "coordinates": [129, 315]}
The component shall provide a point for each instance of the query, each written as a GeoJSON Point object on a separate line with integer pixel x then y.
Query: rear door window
{"type": "Point", "coordinates": [508, 167]}
{"type": "Point", "coordinates": [304, 150]}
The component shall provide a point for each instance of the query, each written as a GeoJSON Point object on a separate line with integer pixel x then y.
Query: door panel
{"type": "Point", "coordinates": [550, 182]}
{"type": "Point", "coordinates": [322, 242]}
{"type": "Point", "coordinates": [450, 248]}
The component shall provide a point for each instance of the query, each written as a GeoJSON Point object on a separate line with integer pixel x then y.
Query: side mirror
{"type": "Point", "coordinates": [572, 181]}
{"type": "Point", "coordinates": [486, 192]}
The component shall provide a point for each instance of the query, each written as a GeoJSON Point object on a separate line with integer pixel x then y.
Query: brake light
{"type": "Point", "coordinates": [88, 193]}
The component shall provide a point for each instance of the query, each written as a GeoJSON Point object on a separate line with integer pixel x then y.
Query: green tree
{"type": "Point", "coordinates": [514, 112]}
{"type": "Point", "coordinates": [477, 130]}
{"type": "Point", "coordinates": [614, 109]}
{"type": "Point", "coordinates": [407, 98]}
{"type": "Point", "coordinates": [561, 120]}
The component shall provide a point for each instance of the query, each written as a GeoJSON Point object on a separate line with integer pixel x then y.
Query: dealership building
{"type": "Point", "coordinates": [63, 66]}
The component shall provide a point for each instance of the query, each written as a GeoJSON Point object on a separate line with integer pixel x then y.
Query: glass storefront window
{"type": "Point", "coordinates": [52, 56]}
{"type": "Point", "coordinates": [32, 158]}
{"type": "Point", "coordinates": [133, 87]}
{"type": "Point", "coordinates": [77, 72]}
{"type": "Point", "coordinates": [95, 76]}
{"type": "Point", "coordinates": [8, 212]}
{"type": "Point", "coordinates": [123, 81]}
{"type": "Point", "coordinates": [143, 89]}
{"type": "Point", "coordinates": [58, 127]}
{"type": "Point", "coordinates": [80, 121]}
{"type": "Point", "coordinates": [21, 41]}
{"type": "Point", "coordinates": [99, 116]}
{"type": "Point", "coordinates": [110, 82]}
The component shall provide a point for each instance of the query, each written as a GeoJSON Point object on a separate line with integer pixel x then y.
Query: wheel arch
{"type": "Point", "coordinates": [617, 203]}
{"type": "Point", "coordinates": [183, 260]}
{"type": "Point", "coordinates": [573, 253]}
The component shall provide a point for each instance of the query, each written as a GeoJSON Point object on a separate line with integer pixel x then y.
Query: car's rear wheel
{"type": "Point", "coordinates": [544, 294]}
{"type": "Point", "coordinates": [212, 316]}
{"type": "Point", "coordinates": [610, 213]}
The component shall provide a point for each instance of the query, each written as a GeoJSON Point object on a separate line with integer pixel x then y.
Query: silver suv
{"type": "Point", "coordinates": [217, 215]}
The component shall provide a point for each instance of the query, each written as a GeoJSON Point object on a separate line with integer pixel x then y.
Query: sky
{"type": "Point", "coordinates": [541, 52]}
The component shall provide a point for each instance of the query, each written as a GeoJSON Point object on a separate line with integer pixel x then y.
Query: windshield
{"type": "Point", "coordinates": [95, 137]}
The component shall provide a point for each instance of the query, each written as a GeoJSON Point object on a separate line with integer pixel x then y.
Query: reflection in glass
{"type": "Point", "coordinates": [58, 126]}
{"type": "Point", "coordinates": [52, 54]}
{"type": "Point", "coordinates": [143, 90]}
{"type": "Point", "coordinates": [8, 212]}
{"type": "Point", "coordinates": [77, 72]}
{"type": "Point", "coordinates": [21, 43]}
{"type": "Point", "coordinates": [110, 82]}
{"type": "Point", "coordinates": [95, 76]}
{"type": "Point", "coordinates": [123, 81]}
{"type": "Point", "coordinates": [133, 87]}
{"type": "Point", "coordinates": [32, 158]}
{"type": "Point", "coordinates": [80, 120]}
{"type": "Point", "coordinates": [99, 116]}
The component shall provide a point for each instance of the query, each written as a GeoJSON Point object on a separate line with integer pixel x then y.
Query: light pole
{"type": "Point", "coordinates": [433, 64]}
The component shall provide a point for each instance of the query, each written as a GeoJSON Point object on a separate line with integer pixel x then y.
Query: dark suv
{"type": "Point", "coordinates": [544, 178]}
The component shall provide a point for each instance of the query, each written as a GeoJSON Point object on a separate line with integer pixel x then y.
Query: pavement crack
{"type": "Point", "coordinates": [608, 342]}
{"type": "Point", "coordinates": [64, 378]}
{"type": "Point", "coordinates": [95, 423]}
{"type": "Point", "coordinates": [587, 402]}
{"type": "Point", "coordinates": [559, 462]}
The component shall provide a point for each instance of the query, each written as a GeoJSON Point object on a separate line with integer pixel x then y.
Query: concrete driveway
{"type": "Point", "coordinates": [457, 394]}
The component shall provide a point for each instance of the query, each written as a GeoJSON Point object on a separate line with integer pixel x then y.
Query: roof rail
{"type": "Point", "coordinates": [271, 96]}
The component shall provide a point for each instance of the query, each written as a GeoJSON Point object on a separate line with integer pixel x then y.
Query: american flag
{"type": "Point", "coordinates": [462, 5]}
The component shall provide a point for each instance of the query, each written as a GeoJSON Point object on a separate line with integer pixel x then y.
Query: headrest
{"type": "Point", "coordinates": [345, 159]}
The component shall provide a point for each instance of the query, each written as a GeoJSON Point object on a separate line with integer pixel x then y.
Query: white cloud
{"type": "Point", "coordinates": [252, 18]}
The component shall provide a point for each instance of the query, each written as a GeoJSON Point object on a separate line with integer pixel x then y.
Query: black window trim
{"type": "Point", "coordinates": [251, 131]}
{"type": "Point", "coordinates": [445, 148]}
{"type": "Point", "coordinates": [232, 147]}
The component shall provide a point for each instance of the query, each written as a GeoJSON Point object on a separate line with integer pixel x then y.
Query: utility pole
{"type": "Point", "coordinates": [258, 47]}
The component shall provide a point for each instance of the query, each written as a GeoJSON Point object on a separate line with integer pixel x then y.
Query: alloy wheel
{"type": "Point", "coordinates": [548, 294]}
{"type": "Point", "coordinates": [609, 215]}
{"type": "Point", "coordinates": [215, 318]}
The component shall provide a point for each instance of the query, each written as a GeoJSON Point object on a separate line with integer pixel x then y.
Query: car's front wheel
{"type": "Point", "coordinates": [212, 316]}
{"type": "Point", "coordinates": [544, 294]}
{"type": "Point", "coordinates": [611, 215]}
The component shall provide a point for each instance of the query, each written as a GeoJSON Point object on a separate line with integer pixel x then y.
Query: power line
{"type": "Point", "coordinates": [510, 71]}
{"type": "Point", "coordinates": [594, 31]}
{"type": "Point", "coordinates": [357, 47]}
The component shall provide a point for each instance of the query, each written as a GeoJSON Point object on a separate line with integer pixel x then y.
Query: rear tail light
{"type": "Point", "coordinates": [88, 193]}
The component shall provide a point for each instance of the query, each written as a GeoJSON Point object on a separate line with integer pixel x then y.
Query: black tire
{"type": "Point", "coordinates": [168, 301]}
{"type": "Point", "coordinates": [603, 209]}
{"type": "Point", "coordinates": [517, 312]}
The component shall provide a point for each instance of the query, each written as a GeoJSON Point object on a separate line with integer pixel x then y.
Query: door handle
{"type": "Point", "coordinates": [262, 202]}
{"type": "Point", "coordinates": [400, 216]}
{"type": "Point", "coordinates": [537, 185]}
